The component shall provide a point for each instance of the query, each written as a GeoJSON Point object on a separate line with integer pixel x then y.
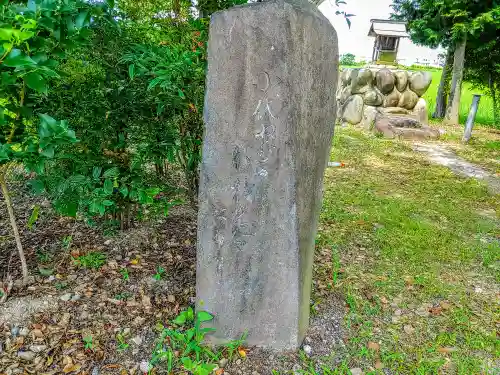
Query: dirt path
{"type": "Point", "coordinates": [442, 155]}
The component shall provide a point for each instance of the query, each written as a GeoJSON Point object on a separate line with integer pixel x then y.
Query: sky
{"type": "Point", "coordinates": [356, 40]}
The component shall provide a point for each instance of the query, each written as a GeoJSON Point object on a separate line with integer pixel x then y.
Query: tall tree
{"type": "Point", "coordinates": [449, 23]}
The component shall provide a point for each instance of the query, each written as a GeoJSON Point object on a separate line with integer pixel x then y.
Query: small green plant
{"type": "Point", "coordinates": [123, 296]}
{"type": "Point", "coordinates": [124, 273]}
{"type": "Point", "coordinates": [43, 257]}
{"type": "Point", "coordinates": [88, 343]}
{"type": "Point", "coordinates": [61, 285]}
{"type": "Point", "coordinates": [122, 342]}
{"type": "Point", "coordinates": [66, 242]}
{"type": "Point", "coordinates": [186, 339]}
{"type": "Point", "coordinates": [92, 260]}
{"type": "Point", "coordinates": [160, 271]}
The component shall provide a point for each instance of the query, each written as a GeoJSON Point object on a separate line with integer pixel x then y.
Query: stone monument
{"type": "Point", "coordinates": [269, 114]}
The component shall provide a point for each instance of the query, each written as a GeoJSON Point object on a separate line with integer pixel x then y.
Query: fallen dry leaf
{"type": "Point", "coordinates": [436, 310]}
{"type": "Point", "coordinates": [242, 352]}
{"type": "Point", "coordinates": [373, 345]}
{"type": "Point", "coordinates": [384, 300]}
{"type": "Point", "coordinates": [71, 368]}
{"type": "Point", "coordinates": [445, 305]}
{"type": "Point", "coordinates": [219, 371]}
{"type": "Point", "coordinates": [446, 349]}
{"type": "Point", "coordinates": [379, 365]}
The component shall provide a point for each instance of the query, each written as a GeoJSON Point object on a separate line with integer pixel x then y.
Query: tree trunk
{"type": "Point", "coordinates": [453, 110]}
{"type": "Point", "coordinates": [12, 218]}
{"type": "Point", "coordinates": [441, 98]}
{"type": "Point", "coordinates": [493, 93]}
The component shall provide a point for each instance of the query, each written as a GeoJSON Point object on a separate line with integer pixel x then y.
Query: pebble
{"type": "Point", "coordinates": [144, 366]}
{"type": "Point", "coordinates": [223, 362]}
{"type": "Point", "coordinates": [238, 362]}
{"type": "Point", "coordinates": [137, 340]}
{"type": "Point", "coordinates": [27, 355]}
{"type": "Point", "coordinates": [255, 373]}
{"type": "Point", "coordinates": [65, 297]}
{"type": "Point", "coordinates": [95, 370]}
{"type": "Point", "coordinates": [356, 371]}
{"type": "Point", "coordinates": [38, 348]}
{"type": "Point", "coordinates": [24, 331]}
{"type": "Point", "coordinates": [76, 297]}
{"type": "Point", "coordinates": [307, 349]}
{"type": "Point", "coordinates": [14, 331]}
{"type": "Point", "coordinates": [398, 312]}
{"type": "Point", "coordinates": [108, 242]}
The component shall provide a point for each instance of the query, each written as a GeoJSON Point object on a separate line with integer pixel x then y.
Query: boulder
{"type": "Point", "coordinates": [401, 80]}
{"type": "Point", "coordinates": [369, 116]}
{"type": "Point", "coordinates": [394, 110]}
{"type": "Point", "coordinates": [420, 82]}
{"type": "Point", "coordinates": [408, 99]}
{"type": "Point", "coordinates": [392, 99]}
{"type": "Point", "coordinates": [373, 97]}
{"type": "Point", "coordinates": [344, 94]}
{"type": "Point", "coordinates": [402, 121]}
{"type": "Point", "coordinates": [421, 111]}
{"type": "Point", "coordinates": [352, 112]}
{"type": "Point", "coordinates": [345, 77]}
{"type": "Point", "coordinates": [385, 81]}
{"type": "Point", "coordinates": [361, 81]}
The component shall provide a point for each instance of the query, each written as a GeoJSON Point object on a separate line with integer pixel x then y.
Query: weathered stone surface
{"type": "Point", "coordinates": [401, 80]}
{"type": "Point", "coordinates": [404, 127]}
{"type": "Point", "coordinates": [373, 97]}
{"type": "Point", "coordinates": [394, 110]}
{"type": "Point", "coordinates": [369, 115]}
{"type": "Point", "coordinates": [361, 81]}
{"type": "Point", "coordinates": [402, 121]}
{"type": "Point", "coordinates": [385, 81]}
{"type": "Point", "coordinates": [420, 82]}
{"type": "Point", "coordinates": [345, 94]}
{"type": "Point", "coordinates": [392, 99]}
{"type": "Point", "coordinates": [352, 110]}
{"type": "Point", "coordinates": [345, 77]}
{"type": "Point", "coordinates": [408, 100]}
{"type": "Point", "coordinates": [269, 115]}
{"type": "Point", "coordinates": [421, 111]}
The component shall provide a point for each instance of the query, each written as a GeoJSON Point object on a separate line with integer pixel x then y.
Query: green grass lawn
{"type": "Point", "coordinates": [415, 252]}
{"type": "Point", "coordinates": [485, 113]}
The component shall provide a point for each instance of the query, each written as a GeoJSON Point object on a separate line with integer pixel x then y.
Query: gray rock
{"type": "Point", "coordinates": [223, 362]}
{"type": "Point", "coordinates": [14, 331]}
{"type": "Point", "coordinates": [345, 94]}
{"type": "Point", "coordinates": [392, 99]}
{"type": "Point", "coordinates": [26, 355]}
{"type": "Point", "coordinates": [269, 114]}
{"type": "Point", "coordinates": [352, 111]}
{"type": "Point", "coordinates": [24, 331]}
{"type": "Point", "coordinates": [76, 297]}
{"type": "Point", "coordinates": [369, 115]}
{"type": "Point", "coordinates": [421, 111]}
{"type": "Point", "coordinates": [345, 77]}
{"type": "Point", "coordinates": [385, 81]}
{"type": "Point", "coordinates": [373, 97]}
{"type": "Point", "coordinates": [308, 350]}
{"type": "Point", "coordinates": [356, 371]}
{"type": "Point", "coordinates": [420, 82]}
{"type": "Point", "coordinates": [408, 100]}
{"type": "Point", "coordinates": [66, 297]}
{"type": "Point", "coordinates": [361, 80]}
{"type": "Point", "coordinates": [401, 80]}
{"type": "Point", "coordinates": [394, 110]}
{"type": "Point", "coordinates": [38, 348]}
{"type": "Point", "coordinates": [137, 340]}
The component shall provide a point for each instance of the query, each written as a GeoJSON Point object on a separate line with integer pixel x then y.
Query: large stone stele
{"type": "Point", "coordinates": [269, 117]}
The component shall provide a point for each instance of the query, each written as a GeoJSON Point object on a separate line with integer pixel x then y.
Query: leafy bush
{"type": "Point", "coordinates": [348, 59]}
